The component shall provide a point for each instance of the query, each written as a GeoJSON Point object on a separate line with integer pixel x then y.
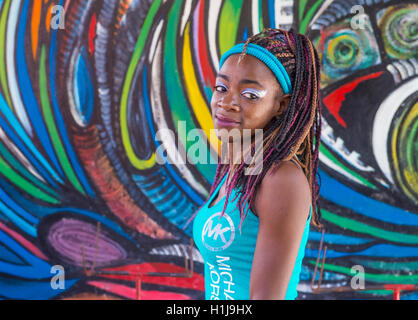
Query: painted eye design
{"type": "Point", "coordinates": [398, 25]}
{"type": "Point", "coordinates": [345, 50]}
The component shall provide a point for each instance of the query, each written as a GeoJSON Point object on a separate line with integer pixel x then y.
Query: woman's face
{"type": "Point", "coordinates": [246, 96]}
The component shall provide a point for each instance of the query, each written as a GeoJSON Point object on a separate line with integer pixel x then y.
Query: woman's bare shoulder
{"type": "Point", "coordinates": [284, 189]}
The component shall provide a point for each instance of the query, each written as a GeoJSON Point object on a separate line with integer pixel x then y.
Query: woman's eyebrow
{"type": "Point", "coordinates": [243, 81]}
{"type": "Point", "coordinates": [224, 76]}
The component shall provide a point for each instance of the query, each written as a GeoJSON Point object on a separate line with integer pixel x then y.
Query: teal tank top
{"type": "Point", "coordinates": [228, 254]}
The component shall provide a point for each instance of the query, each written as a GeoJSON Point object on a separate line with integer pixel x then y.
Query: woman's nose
{"type": "Point", "coordinates": [229, 102]}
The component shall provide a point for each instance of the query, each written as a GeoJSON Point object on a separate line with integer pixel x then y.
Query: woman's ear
{"type": "Point", "coordinates": [283, 103]}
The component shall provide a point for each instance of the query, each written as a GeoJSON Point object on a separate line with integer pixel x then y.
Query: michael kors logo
{"type": "Point", "coordinates": [218, 234]}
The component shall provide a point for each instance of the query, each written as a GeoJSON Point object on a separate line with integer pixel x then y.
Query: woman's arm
{"type": "Point", "coordinates": [282, 204]}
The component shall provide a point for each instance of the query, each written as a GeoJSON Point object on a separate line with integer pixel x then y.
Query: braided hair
{"type": "Point", "coordinates": [295, 132]}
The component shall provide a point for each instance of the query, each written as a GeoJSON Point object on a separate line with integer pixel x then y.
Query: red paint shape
{"type": "Point", "coordinates": [130, 293]}
{"type": "Point", "coordinates": [334, 100]}
{"type": "Point", "coordinates": [397, 288]}
{"type": "Point", "coordinates": [208, 76]}
{"type": "Point", "coordinates": [25, 243]}
{"type": "Point", "coordinates": [92, 33]}
{"type": "Point", "coordinates": [195, 282]}
{"type": "Point", "coordinates": [111, 189]}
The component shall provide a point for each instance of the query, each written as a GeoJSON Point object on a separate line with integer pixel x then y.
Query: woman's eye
{"type": "Point", "coordinates": [220, 88]}
{"type": "Point", "coordinates": [250, 95]}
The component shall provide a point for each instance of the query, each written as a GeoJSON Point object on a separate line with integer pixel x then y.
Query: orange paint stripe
{"type": "Point", "coordinates": [48, 18]}
{"type": "Point", "coordinates": [36, 19]}
{"type": "Point", "coordinates": [123, 7]}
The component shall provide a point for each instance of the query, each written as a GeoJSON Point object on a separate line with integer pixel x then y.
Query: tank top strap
{"type": "Point", "coordinates": [310, 215]}
{"type": "Point", "coordinates": [215, 193]}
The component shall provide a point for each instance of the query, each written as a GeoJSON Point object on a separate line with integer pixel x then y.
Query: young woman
{"type": "Point", "coordinates": [253, 228]}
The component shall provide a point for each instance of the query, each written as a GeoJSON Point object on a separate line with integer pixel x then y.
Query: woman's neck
{"type": "Point", "coordinates": [248, 149]}
{"type": "Point", "coordinates": [237, 151]}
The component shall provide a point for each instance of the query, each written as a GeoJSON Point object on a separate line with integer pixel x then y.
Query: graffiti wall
{"type": "Point", "coordinates": [86, 88]}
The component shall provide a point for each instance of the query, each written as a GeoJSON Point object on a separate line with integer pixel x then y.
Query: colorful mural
{"type": "Point", "coordinates": [86, 85]}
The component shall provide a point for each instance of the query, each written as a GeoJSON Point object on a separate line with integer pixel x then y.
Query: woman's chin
{"type": "Point", "coordinates": [227, 131]}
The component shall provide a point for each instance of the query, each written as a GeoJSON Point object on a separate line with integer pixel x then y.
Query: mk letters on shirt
{"type": "Point", "coordinates": [218, 233]}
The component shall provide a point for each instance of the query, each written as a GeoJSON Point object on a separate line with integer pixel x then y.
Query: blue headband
{"type": "Point", "coordinates": [265, 56]}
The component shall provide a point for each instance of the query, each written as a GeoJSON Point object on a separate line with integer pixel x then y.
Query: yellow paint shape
{"type": "Point", "coordinates": [36, 19]}
{"type": "Point", "coordinates": [200, 109]}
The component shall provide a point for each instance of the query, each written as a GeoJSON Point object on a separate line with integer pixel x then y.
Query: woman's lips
{"type": "Point", "coordinates": [225, 121]}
